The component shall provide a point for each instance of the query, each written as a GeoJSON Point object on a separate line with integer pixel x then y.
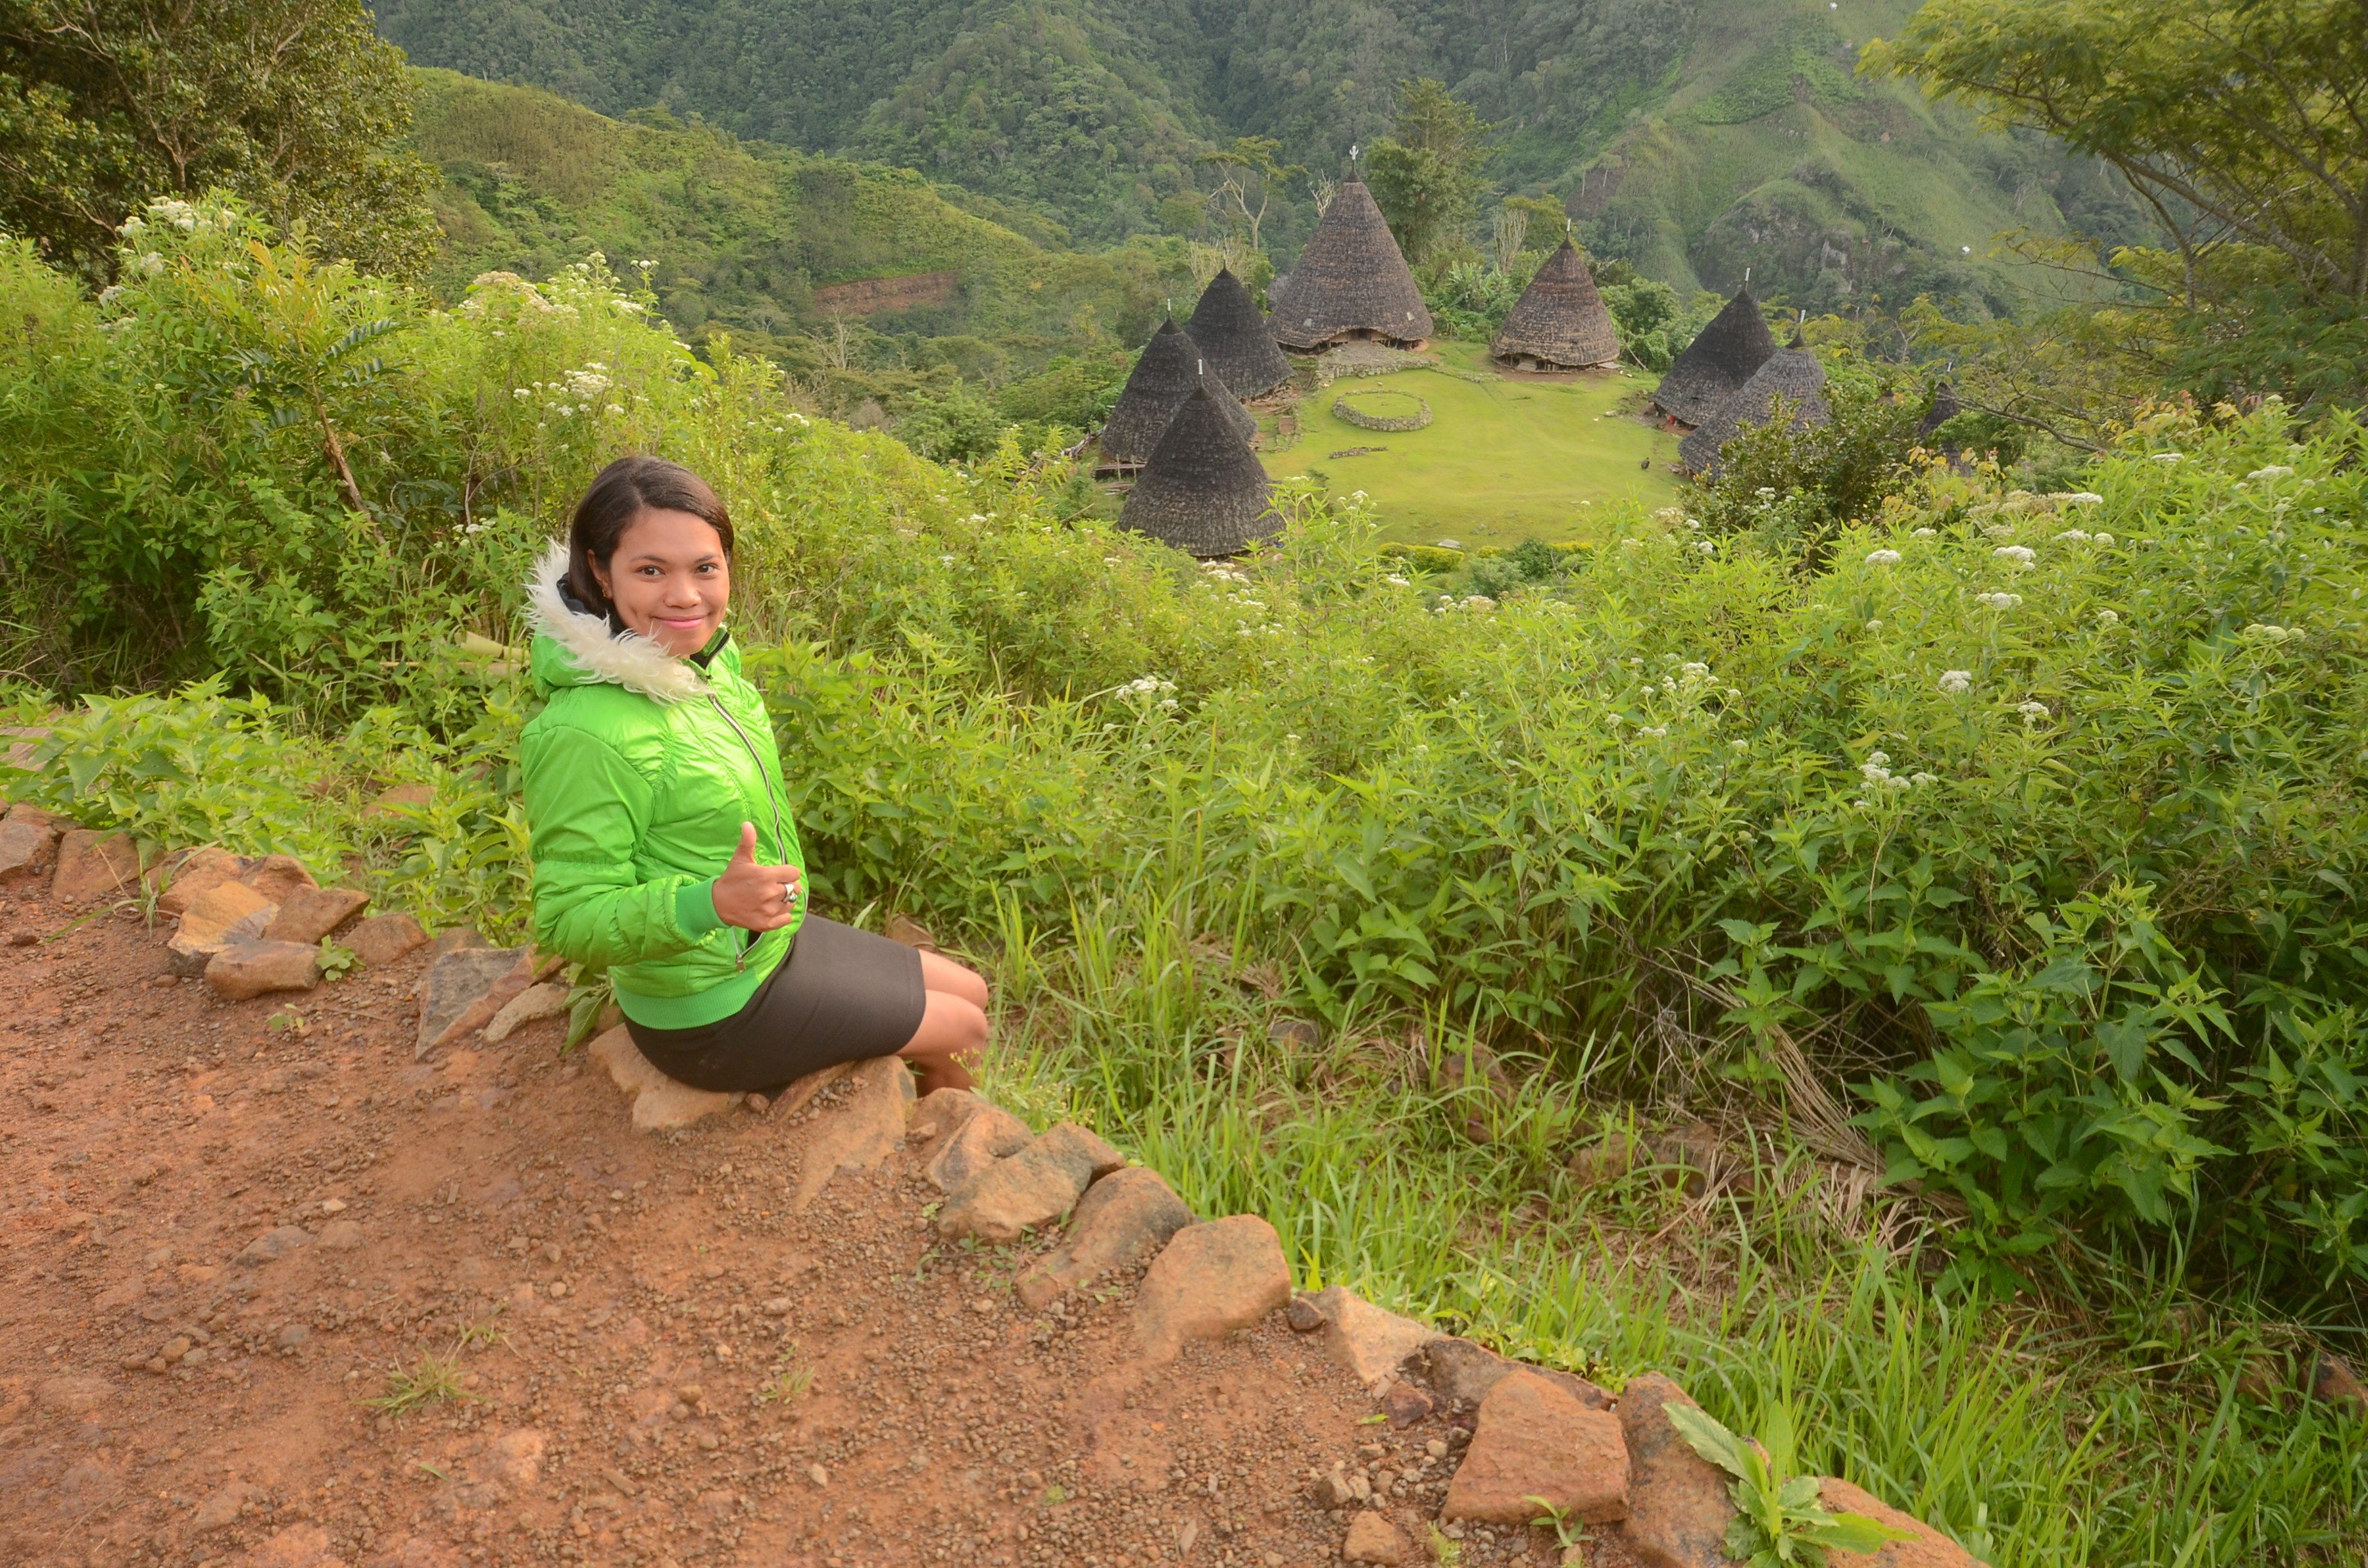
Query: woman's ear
{"type": "Point", "coordinates": [599, 578]}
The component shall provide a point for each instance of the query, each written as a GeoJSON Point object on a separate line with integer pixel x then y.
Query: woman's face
{"type": "Point", "coordinates": [669, 580]}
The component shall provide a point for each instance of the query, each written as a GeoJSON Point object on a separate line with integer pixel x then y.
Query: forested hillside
{"type": "Point", "coordinates": [1694, 137]}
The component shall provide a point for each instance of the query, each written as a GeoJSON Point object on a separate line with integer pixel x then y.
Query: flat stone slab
{"type": "Point", "coordinates": [1678, 1503]}
{"type": "Point", "coordinates": [93, 866]}
{"type": "Point", "coordinates": [1124, 1217]}
{"type": "Point", "coordinates": [546, 1000]}
{"type": "Point", "coordinates": [382, 938]}
{"type": "Point", "coordinates": [454, 984]}
{"type": "Point", "coordinates": [310, 914]}
{"type": "Point", "coordinates": [1209, 1281]}
{"type": "Point", "coordinates": [223, 914]}
{"type": "Point", "coordinates": [1536, 1443]}
{"type": "Point", "coordinates": [1930, 1548]}
{"type": "Point", "coordinates": [245, 969]}
{"type": "Point", "coordinates": [193, 873]}
{"type": "Point", "coordinates": [28, 847]}
{"type": "Point", "coordinates": [861, 1130]}
{"type": "Point", "coordinates": [988, 1134]}
{"type": "Point", "coordinates": [277, 876]}
{"type": "Point", "coordinates": [1371, 1342]}
{"type": "Point", "coordinates": [1033, 1188]}
{"type": "Point", "coordinates": [660, 1104]}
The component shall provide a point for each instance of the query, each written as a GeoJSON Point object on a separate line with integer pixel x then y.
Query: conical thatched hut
{"type": "Point", "coordinates": [1169, 368]}
{"type": "Point", "coordinates": [1203, 490]}
{"type": "Point", "coordinates": [1351, 282]}
{"type": "Point", "coordinates": [1560, 323]}
{"type": "Point", "coordinates": [1792, 374]}
{"type": "Point", "coordinates": [1717, 364]}
{"type": "Point", "coordinates": [1231, 332]}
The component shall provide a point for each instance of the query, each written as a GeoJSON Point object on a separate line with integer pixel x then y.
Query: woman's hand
{"type": "Point", "coordinates": [754, 897]}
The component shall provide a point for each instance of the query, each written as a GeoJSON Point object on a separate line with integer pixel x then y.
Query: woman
{"type": "Point", "coordinates": [663, 845]}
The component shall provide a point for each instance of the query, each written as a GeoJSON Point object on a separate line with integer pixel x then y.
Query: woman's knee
{"type": "Point", "coordinates": [950, 1025]}
{"type": "Point", "coordinates": [948, 978]}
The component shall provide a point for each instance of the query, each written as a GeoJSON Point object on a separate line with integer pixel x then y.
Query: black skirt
{"type": "Point", "coordinates": [841, 995]}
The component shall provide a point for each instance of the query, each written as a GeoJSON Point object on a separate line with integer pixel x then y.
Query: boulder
{"type": "Point", "coordinates": [1930, 1548]}
{"type": "Point", "coordinates": [1459, 1370]}
{"type": "Point", "coordinates": [29, 846]}
{"type": "Point", "coordinates": [862, 1129]}
{"type": "Point", "coordinates": [547, 1000]}
{"type": "Point", "coordinates": [223, 913]}
{"type": "Point", "coordinates": [1124, 1217]}
{"type": "Point", "coordinates": [382, 938]}
{"type": "Point", "coordinates": [193, 873]}
{"type": "Point", "coordinates": [659, 1102]}
{"type": "Point", "coordinates": [245, 970]}
{"type": "Point", "coordinates": [310, 914]}
{"type": "Point", "coordinates": [990, 1135]}
{"type": "Point", "coordinates": [94, 866]}
{"type": "Point", "coordinates": [1535, 1444]}
{"type": "Point", "coordinates": [943, 1112]}
{"type": "Point", "coordinates": [1210, 1280]}
{"type": "Point", "coordinates": [1372, 1539]}
{"type": "Point", "coordinates": [453, 986]}
{"type": "Point", "coordinates": [1372, 1343]}
{"type": "Point", "coordinates": [1678, 1503]}
{"type": "Point", "coordinates": [277, 876]}
{"type": "Point", "coordinates": [1030, 1189]}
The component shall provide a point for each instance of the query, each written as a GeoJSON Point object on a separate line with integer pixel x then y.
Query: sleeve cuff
{"type": "Point", "coordinates": [694, 908]}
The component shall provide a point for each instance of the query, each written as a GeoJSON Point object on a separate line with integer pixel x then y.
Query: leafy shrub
{"type": "Point", "coordinates": [959, 424]}
{"type": "Point", "coordinates": [1795, 488]}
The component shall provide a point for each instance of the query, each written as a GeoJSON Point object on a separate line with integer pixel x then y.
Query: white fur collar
{"type": "Point", "coordinates": [626, 658]}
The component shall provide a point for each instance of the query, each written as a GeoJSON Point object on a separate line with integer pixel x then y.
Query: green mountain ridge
{"type": "Point", "coordinates": [1695, 138]}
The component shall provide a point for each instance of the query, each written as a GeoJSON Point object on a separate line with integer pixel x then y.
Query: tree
{"type": "Point", "coordinates": [1250, 178]}
{"type": "Point", "coordinates": [294, 105]}
{"type": "Point", "coordinates": [1426, 178]}
{"type": "Point", "coordinates": [2243, 124]}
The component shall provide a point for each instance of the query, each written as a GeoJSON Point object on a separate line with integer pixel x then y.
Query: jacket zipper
{"type": "Point", "coordinates": [780, 837]}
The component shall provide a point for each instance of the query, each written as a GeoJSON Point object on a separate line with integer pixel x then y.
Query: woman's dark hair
{"type": "Point", "coordinates": [623, 491]}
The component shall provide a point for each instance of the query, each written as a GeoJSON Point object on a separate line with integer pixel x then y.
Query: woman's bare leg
{"type": "Point", "coordinates": [953, 1025]}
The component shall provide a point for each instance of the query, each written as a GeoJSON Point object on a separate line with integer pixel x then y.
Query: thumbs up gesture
{"type": "Point", "coordinates": [756, 897]}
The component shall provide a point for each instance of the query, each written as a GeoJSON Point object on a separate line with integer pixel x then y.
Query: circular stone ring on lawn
{"type": "Point", "coordinates": [1382, 410]}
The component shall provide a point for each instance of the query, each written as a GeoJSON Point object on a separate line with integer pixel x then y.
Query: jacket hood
{"type": "Point", "coordinates": [575, 647]}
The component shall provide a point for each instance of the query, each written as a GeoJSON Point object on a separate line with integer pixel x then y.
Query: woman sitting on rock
{"type": "Point", "coordinates": [663, 845]}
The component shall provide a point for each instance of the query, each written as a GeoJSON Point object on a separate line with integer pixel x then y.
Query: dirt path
{"type": "Point", "coordinates": [650, 1360]}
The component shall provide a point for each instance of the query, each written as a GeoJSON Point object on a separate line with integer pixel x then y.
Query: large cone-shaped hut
{"type": "Point", "coordinates": [1560, 323]}
{"type": "Point", "coordinates": [1231, 332]}
{"type": "Point", "coordinates": [1727, 354]}
{"type": "Point", "coordinates": [1170, 367]}
{"type": "Point", "coordinates": [1203, 490]}
{"type": "Point", "coordinates": [1792, 374]}
{"type": "Point", "coordinates": [1351, 282]}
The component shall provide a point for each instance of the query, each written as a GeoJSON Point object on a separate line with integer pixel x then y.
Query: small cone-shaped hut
{"type": "Point", "coordinates": [1715, 365]}
{"type": "Point", "coordinates": [1170, 367]}
{"type": "Point", "coordinates": [1231, 332]}
{"type": "Point", "coordinates": [1351, 282]}
{"type": "Point", "coordinates": [1203, 490]}
{"type": "Point", "coordinates": [1792, 374]}
{"type": "Point", "coordinates": [1560, 323]}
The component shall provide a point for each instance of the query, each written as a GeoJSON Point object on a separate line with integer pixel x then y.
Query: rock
{"type": "Point", "coordinates": [513, 1459]}
{"type": "Point", "coordinates": [1930, 1549]}
{"type": "Point", "coordinates": [659, 1103]}
{"type": "Point", "coordinates": [1333, 1490]}
{"type": "Point", "coordinates": [277, 876]}
{"type": "Point", "coordinates": [989, 1135]}
{"type": "Point", "coordinates": [1535, 1441]}
{"type": "Point", "coordinates": [1696, 1156]}
{"type": "Point", "coordinates": [273, 1246]}
{"type": "Point", "coordinates": [861, 1130]}
{"type": "Point", "coordinates": [220, 1510]}
{"type": "Point", "coordinates": [341, 1235]}
{"type": "Point", "coordinates": [28, 847]}
{"type": "Point", "coordinates": [1208, 1281]}
{"type": "Point", "coordinates": [1372, 1539]}
{"type": "Point", "coordinates": [1123, 1217]}
{"type": "Point", "coordinates": [456, 982]}
{"type": "Point", "coordinates": [310, 914]}
{"type": "Point", "coordinates": [911, 932]}
{"type": "Point", "coordinates": [1459, 1370]}
{"type": "Point", "coordinates": [1404, 1404]}
{"type": "Point", "coordinates": [93, 866]}
{"type": "Point", "coordinates": [1678, 1503]}
{"type": "Point", "coordinates": [303, 1545]}
{"type": "Point", "coordinates": [382, 938]}
{"type": "Point", "coordinates": [1032, 1189]}
{"type": "Point", "coordinates": [243, 970]}
{"type": "Point", "coordinates": [291, 1336]}
{"type": "Point", "coordinates": [223, 913]}
{"type": "Point", "coordinates": [454, 939]}
{"type": "Point", "coordinates": [1294, 1033]}
{"type": "Point", "coordinates": [547, 1000]}
{"type": "Point", "coordinates": [944, 1112]}
{"type": "Point", "coordinates": [1370, 1342]}
{"type": "Point", "coordinates": [1607, 1159]}
{"type": "Point", "coordinates": [194, 873]}
{"type": "Point", "coordinates": [2332, 1382]}
{"type": "Point", "coordinates": [398, 804]}
{"type": "Point", "coordinates": [1304, 1315]}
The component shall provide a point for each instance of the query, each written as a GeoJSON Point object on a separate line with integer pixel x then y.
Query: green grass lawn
{"type": "Point", "coordinates": [1500, 461]}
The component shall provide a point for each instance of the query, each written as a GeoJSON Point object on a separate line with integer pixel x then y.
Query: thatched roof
{"type": "Point", "coordinates": [1203, 490]}
{"type": "Point", "coordinates": [1351, 281]}
{"type": "Point", "coordinates": [1792, 374]}
{"type": "Point", "coordinates": [1559, 320]}
{"type": "Point", "coordinates": [1231, 332]}
{"type": "Point", "coordinates": [1717, 364]}
{"type": "Point", "coordinates": [1169, 368]}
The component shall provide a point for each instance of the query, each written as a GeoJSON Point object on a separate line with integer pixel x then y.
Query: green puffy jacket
{"type": "Point", "coordinates": [640, 770]}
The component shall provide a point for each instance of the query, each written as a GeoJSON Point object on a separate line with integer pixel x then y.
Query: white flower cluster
{"type": "Point", "coordinates": [2262, 632]}
{"type": "Point", "coordinates": [2109, 618]}
{"type": "Point", "coordinates": [1398, 582]}
{"type": "Point", "coordinates": [1999, 530]}
{"type": "Point", "coordinates": [1884, 558]}
{"type": "Point", "coordinates": [2085, 499]}
{"type": "Point", "coordinates": [1999, 601]}
{"type": "Point", "coordinates": [2275, 471]}
{"type": "Point", "coordinates": [1217, 571]}
{"type": "Point", "coordinates": [2077, 536]}
{"type": "Point", "coordinates": [1150, 686]}
{"type": "Point", "coordinates": [2167, 458]}
{"type": "Point", "coordinates": [2019, 556]}
{"type": "Point", "coordinates": [2034, 712]}
{"type": "Point", "coordinates": [1876, 771]}
{"type": "Point", "coordinates": [1956, 683]}
{"type": "Point", "coordinates": [1923, 533]}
